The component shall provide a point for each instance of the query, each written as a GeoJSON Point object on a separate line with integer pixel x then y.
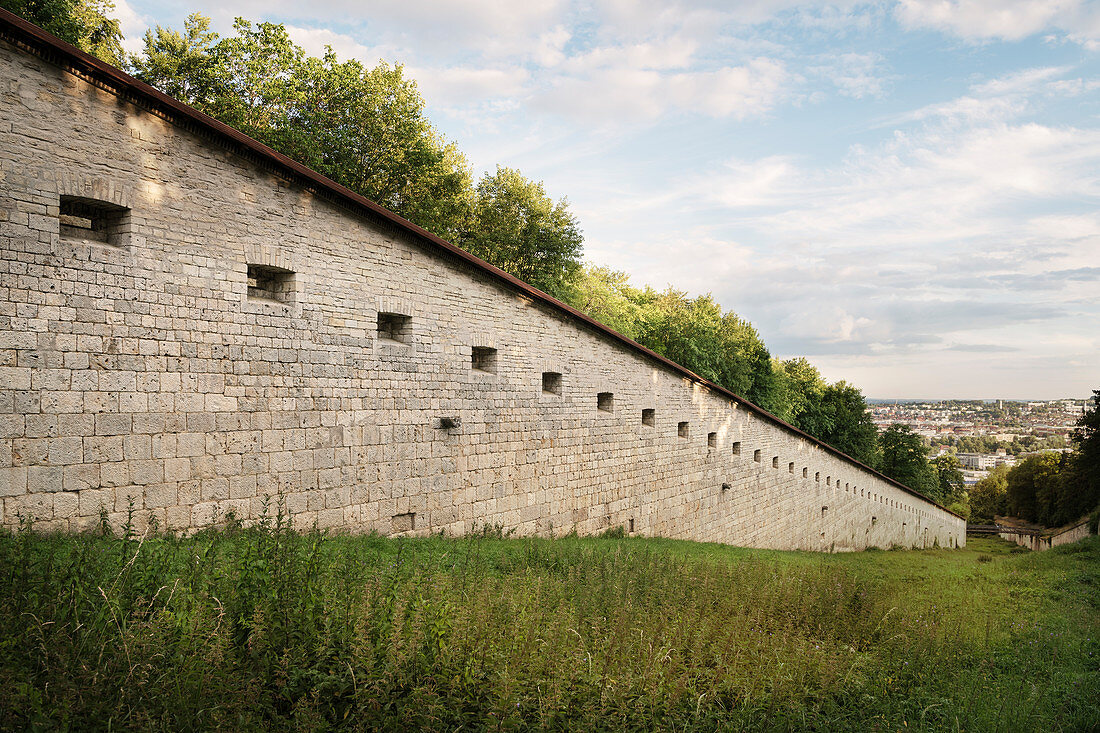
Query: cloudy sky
{"type": "Point", "coordinates": [904, 192]}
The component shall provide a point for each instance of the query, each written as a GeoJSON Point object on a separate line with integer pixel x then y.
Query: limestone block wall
{"type": "Point", "coordinates": [229, 335]}
{"type": "Point", "coordinates": [1038, 541]}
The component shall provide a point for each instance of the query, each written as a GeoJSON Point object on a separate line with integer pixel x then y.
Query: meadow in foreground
{"type": "Point", "coordinates": [270, 628]}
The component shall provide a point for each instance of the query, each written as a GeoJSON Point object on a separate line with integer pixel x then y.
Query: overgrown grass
{"type": "Point", "coordinates": [270, 628]}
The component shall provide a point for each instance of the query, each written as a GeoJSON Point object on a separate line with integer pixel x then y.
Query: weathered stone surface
{"type": "Point", "coordinates": [141, 376]}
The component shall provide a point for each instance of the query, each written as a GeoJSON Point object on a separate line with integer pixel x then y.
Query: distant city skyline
{"type": "Point", "coordinates": [904, 192]}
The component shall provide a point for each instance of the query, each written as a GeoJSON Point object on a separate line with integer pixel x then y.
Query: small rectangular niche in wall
{"type": "Point", "coordinates": [483, 359]}
{"type": "Point", "coordinates": [712, 440]}
{"type": "Point", "coordinates": [605, 402]}
{"type": "Point", "coordinates": [394, 327]}
{"type": "Point", "coordinates": [551, 382]}
{"type": "Point", "coordinates": [817, 477]}
{"type": "Point", "coordinates": [92, 220]}
{"type": "Point", "coordinates": [790, 467]}
{"type": "Point", "coordinates": [775, 461]}
{"type": "Point", "coordinates": [271, 283]}
{"type": "Point", "coordinates": [649, 417]}
{"type": "Point", "coordinates": [805, 473]}
{"type": "Point", "coordinates": [756, 456]}
{"type": "Point", "coordinates": [630, 525]}
{"type": "Point", "coordinates": [737, 448]}
{"type": "Point", "coordinates": [682, 429]}
{"type": "Point", "coordinates": [403, 522]}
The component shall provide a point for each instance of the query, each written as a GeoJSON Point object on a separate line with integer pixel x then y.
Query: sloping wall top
{"type": "Point", "coordinates": [36, 41]}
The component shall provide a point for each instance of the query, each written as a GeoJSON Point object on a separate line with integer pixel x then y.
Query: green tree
{"type": "Point", "coordinates": [180, 64]}
{"type": "Point", "coordinates": [259, 84]}
{"type": "Point", "coordinates": [1082, 490]}
{"type": "Point", "coordinates": [951, 486]}
{"type": "Point", "coordinates": [845, 424]}
{"type": "Point", "coordinates": [85, 24]}
{"type": "Point", "coordinates": [949, 476]}
{"type": "Point", "coordinates": [800, 390]}
{"type": "Point", "coordinates": [904, 459]}
{"type": "Point", "coordinates": [989, 496]}
{"type": "Point", "coordinates": [694, 332]}
{"type": "Point", "coordinates": [367, 129]}
{"type": "Point", "coordinates": [1032, 487]}
{"type": "Point", "coordinates": [716, 345]}
{"type": "Point", "coordinates": [518, 228]}
{"type": "Point", "coordinates": [363, 128]}
{"type": "Point", "coordinates": [607, 296]}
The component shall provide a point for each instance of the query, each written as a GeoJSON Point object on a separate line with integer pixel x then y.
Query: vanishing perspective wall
{"type": "Point", "coordinates": [1036, 540]}
{"type": "Point", "coordinates": [185, 332]}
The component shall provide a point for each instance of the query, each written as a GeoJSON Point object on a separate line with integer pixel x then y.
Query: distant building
{"type": "Point", "coordinates": [986, 461]}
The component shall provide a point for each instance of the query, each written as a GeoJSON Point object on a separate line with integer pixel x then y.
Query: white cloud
{"type": "Point", "coordinates": [674, 52]}
{"type": "Point", "coordinates": [314, 41]}
{"type": "Point", "coordinates": [433, 27]}
{"type": "Point", "coordinates": [855, 75]}
{"type": "Point", "coordinates": [907, 249]}
{"type": "Point", "coordinates": [830, 324]}
{"type": "Point", "coordinates": [548, 49]}
{"type": "Point", "coordinates": [133, 26]}
{"type": "Point", "coordinates": [1011, 20]}
{"type": "Point", "coordinates": [1001, 99]}
{"type": "Point", "coordinates": [461, 85]}
{"type": "Point", "coordinates": [626, 94]}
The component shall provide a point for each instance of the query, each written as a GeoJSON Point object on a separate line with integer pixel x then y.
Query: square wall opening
{"type": "Point", "coordinates": [649, 417]}
{"type": "Point", "coordinates": [551, 382]}
{"type": "Point", "coordinates": [737, 448]}
{"type": "Point", "coordinates": [605, 402]}
{"type": "Point", "coordinates": [712, 440]}
{"type": "Point", "coordinates": [756, 456]}
{"type": "Point", "coordinates": [271, 283]}
{"type": "Point", "coordinates": [93, 220]}
{"type": "Point", "coordinates": [682, 429]}
{"type": "Point", "coordinates": [394, 327]}
{"type": "Point", "coordinates": [483, 359]}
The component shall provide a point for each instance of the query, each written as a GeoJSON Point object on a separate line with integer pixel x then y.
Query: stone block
{"type": "Point", "coordinates": [13, 481]}
{"type": "Point", "coordinates": [45, 479]}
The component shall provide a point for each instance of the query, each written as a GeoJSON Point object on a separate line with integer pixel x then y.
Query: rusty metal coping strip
{"type": "Point", "coordinates": [46, 45]}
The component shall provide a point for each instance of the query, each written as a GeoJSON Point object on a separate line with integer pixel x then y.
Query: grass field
{"type": "Point", "coordinates": [267, 628]}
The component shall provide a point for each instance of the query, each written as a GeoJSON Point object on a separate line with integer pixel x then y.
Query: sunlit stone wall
{"type": "Point", "coordinates": [183, 334]}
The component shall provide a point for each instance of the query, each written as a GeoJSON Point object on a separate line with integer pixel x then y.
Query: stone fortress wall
{"type": "Point", "coordinates": [186, 328]}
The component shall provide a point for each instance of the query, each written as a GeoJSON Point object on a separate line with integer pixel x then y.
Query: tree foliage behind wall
{"type": "Point", "coordinates": [905, 459]}
{"type": "Point", "coordinates": [85, 24]}
{"type": "Point", "coordinates": [834, 413]}
{"type": "Point", "coordinates": [695, 332]}
{"type": "Point", "coordinates": [989, 496]}
{"type": "Point", "coordinates": [364, 128]}
{"type": "Point", "coordinates": [518, 228]}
